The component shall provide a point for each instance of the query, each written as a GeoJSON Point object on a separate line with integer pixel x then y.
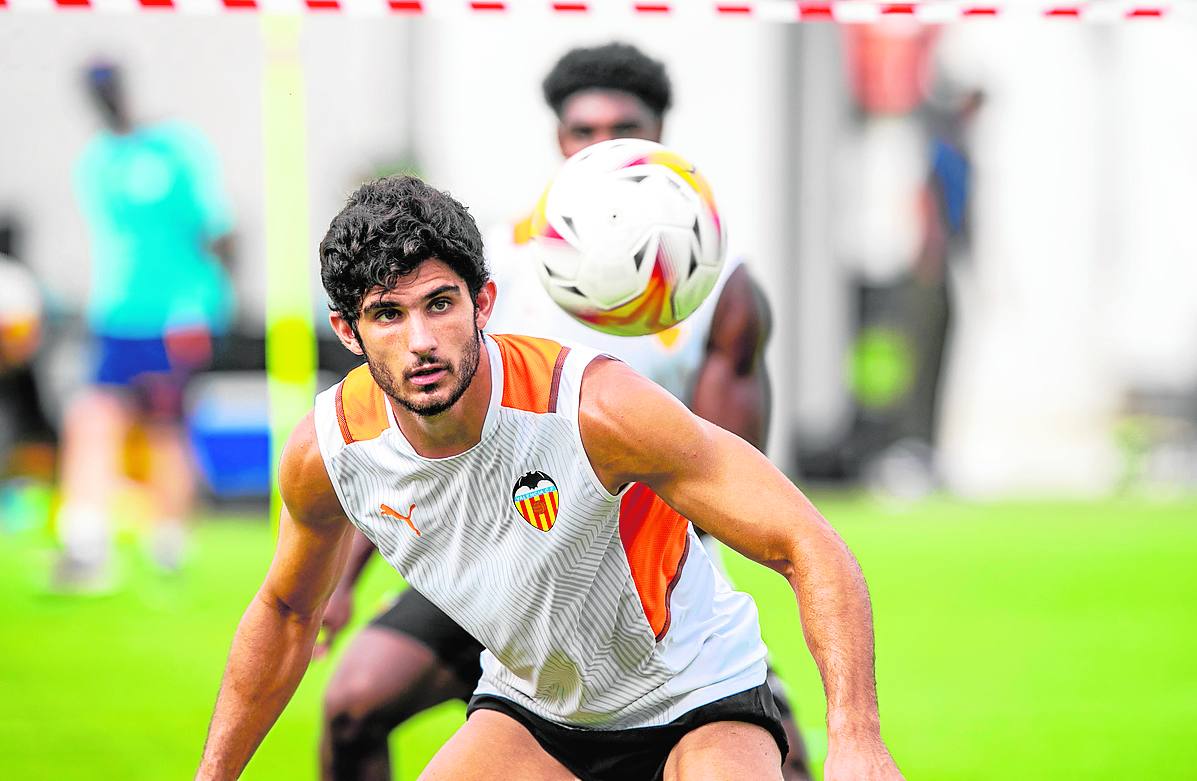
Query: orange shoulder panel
{"type": "Point", "coordinates": [361, 406]}
{"type": "Point", "coordinates": [531, 372]}
{"type": "Point", "coordinates": [522, 233]}
{"type": "Point", "coordinates": [656, 542]}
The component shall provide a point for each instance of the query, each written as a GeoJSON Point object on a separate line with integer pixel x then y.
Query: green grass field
{"type": "Point", "coordinates": [1028, 641]}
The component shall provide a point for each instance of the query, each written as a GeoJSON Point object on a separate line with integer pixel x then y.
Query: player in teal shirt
{"type": "Point", "coordinates": [153, 202]}
{"type": "Point", "coordinates": [159, 222]}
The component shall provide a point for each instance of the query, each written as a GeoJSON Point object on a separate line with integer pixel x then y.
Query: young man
{"type": "Point", "coordinates": [412, 656]}
{"type": "Point", "coordinates": [539, 495]}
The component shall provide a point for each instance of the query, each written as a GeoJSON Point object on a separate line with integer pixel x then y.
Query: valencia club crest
{"type": "Point", "coordinates": [536, 500]}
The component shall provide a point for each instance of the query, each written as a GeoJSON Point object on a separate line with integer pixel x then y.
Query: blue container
{"type": "Point", "coordinates": [228, 422]}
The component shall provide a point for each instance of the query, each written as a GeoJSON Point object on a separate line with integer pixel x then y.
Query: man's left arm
{"type": "Point", "coordinates": [732, 387]}
{"type": "Point", "coordinates": [634, 431]}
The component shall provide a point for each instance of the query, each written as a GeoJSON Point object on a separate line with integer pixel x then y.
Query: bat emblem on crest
{"type": "Point", "coordinates": [537, 500]}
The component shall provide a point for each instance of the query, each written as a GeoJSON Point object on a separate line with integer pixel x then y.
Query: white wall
{"type": "Point", "coordinates": [1082, 285]}
{"type": "Point", "coordinates": [1150, 298]}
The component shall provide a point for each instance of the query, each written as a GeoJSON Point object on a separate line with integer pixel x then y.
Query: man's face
{"type": "Point", "coordinates": [595, 115]}
{"type": "Point", "coordinates": [421, 338]}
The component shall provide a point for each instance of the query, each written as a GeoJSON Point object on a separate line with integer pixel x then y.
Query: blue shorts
{"type": "Point", "coordinates": [122, 361]}
{"type": "Point", "coordinates": [155, 370]}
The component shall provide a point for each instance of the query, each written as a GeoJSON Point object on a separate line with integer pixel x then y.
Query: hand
{"type": "Point", "coordinates": [860, 760]}
{"type": "Point", "coordinates": [336, 616]}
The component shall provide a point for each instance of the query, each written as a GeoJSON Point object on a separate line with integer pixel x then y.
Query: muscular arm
{"type": "Point", "coordinates": [273, 643]}
{"type": "Point", "coordinates": [634, 431]}
{"type": "Point", "coordinates": [732, 389]}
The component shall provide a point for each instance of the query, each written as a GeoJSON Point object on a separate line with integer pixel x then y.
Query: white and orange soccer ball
{"type": "Point", "coordinates": [628, 237]}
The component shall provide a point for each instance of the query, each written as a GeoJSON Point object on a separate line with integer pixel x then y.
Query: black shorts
{"type": "Point", "coordinates": [416, 617]}
{"type": "Point", "coordinates": [635, 754]}
{"type": "Point", "coordinates": [22, 418]}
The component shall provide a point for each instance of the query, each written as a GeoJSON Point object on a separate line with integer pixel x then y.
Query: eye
{"type": "Point", "coordinates": [386, 315]}
{"type": "Point", "coordinates": [440, 305]}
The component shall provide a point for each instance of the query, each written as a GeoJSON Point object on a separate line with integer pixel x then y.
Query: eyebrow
{"type": "Point", "coordinates": [440, 291]}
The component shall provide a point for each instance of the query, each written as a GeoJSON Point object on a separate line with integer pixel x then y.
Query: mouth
{"type": "Point", "coordinates": [427, 375]}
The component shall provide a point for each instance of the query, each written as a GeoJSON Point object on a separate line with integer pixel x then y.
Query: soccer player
{"type": "Point", "coordinates": [412, 656]}
{"type": "Point", "coordinates": [28, 441]}
{"type": "Point", "coordinates": [539, 495]}
{"type": "Point", "coordinates": [160, 227]}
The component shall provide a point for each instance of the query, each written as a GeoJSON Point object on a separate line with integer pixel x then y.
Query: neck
{"type": "Point", "coordinates": [458, 428]}
{"type": "Point", "coordinates": [118, 123]}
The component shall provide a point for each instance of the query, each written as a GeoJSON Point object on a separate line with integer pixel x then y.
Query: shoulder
{"type": "Point", "coordinates": [177, 132]}
{"type": "Point", "coordinates": [532, 371]}
{"type": "Point", "coordinates": [632, 428]}
{"type": "Point", "coordinates": [186, 142]}
{"type": "Point", "coordinates": [742, 320]}
{"type": "Point", "coordinates": [303, 479]}
{"type": "Point", "coordinates": [612, 393]}
{"type": "Point", "coordinates": [93, 154]}
{"type": "Point", "coordinates": [359, 406]}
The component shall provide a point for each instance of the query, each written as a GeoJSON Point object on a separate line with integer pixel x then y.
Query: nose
{"type": "Point", "coordinates": [421, 339]}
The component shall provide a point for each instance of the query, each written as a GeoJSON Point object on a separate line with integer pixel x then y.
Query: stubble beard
{"type": "Point", "coordinates": [418, 403]}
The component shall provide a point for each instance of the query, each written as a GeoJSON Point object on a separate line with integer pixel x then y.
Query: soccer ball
{"type": "Point", "coordinates": [628, 237]}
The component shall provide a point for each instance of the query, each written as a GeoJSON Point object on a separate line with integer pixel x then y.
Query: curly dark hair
{"type": "Point", "coordinates": [386, 230]}
{"type": "Point", "coordinates": [617, 66]}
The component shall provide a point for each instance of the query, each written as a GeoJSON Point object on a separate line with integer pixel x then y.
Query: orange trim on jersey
{"type": "Point", "coordinates": [361, 406]}
{"type": "Point", "coordinates": [522, 232]}
{"type": "Point", "coordinates": [555, 387]}
{"type": "Point", "coordinates": [530, 366]}
{"type": "Point", "coordinates": [656, 542]}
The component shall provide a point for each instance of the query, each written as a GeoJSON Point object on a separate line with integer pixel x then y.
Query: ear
{"type": "Point", "coordinates": [344, 332]}
{"type": "Point", "coordinates": [485, 303]}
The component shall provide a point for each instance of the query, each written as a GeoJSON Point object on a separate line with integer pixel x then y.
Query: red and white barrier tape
{"type": "Point", "coordinates": [851, 11]}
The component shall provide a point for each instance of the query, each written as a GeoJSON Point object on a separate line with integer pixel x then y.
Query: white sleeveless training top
{"type": "Point", "coordinates": [596, 610]}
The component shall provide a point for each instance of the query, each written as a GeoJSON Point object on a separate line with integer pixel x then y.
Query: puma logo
{"type": "Point", "coordinates": [405, 518]}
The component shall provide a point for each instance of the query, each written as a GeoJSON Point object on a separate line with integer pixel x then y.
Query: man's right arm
{"type": "Point", "coordinates": [273, 644]}
{"type": "Point", "coordinates": [635, 431]}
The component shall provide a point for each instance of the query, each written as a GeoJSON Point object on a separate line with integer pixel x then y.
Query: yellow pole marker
{"type": "Point", "coordinates": [290, 334]}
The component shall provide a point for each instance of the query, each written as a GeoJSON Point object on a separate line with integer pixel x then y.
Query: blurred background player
{"type": "Point", "coordinates": [412, 656]}
{"type": "Point", "coordinates": [159, 224]}
{"type": "Point", "coordinates": [906, 179]}
{"type": "Point", "coordinates": [27, 438]}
